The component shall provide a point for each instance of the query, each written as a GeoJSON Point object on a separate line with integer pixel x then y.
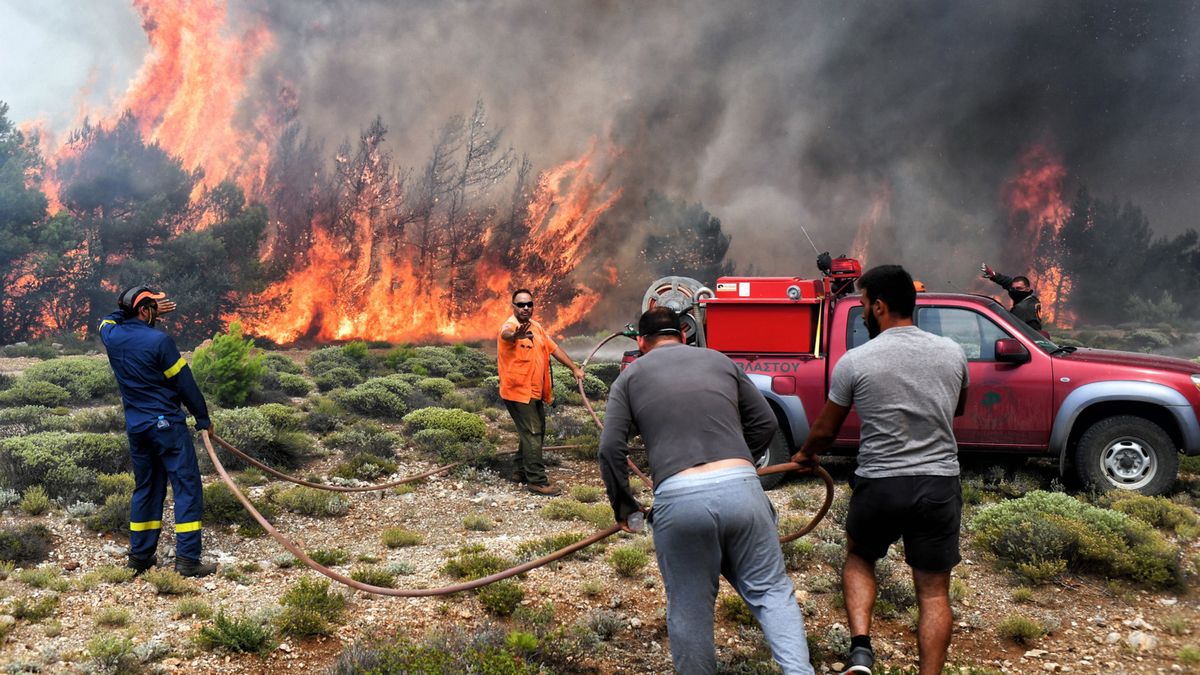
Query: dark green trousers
{"type": "Point", "coordinates": [530, 419]}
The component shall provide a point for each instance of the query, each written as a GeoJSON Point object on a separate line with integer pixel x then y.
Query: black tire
{"type": "Point", "coordinates": [1127, 453]}
{"type": "Point", "coordinates": [778, 452]}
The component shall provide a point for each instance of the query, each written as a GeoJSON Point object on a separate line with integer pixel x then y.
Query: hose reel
{"type": "Point", "coordinates": [682, 295]}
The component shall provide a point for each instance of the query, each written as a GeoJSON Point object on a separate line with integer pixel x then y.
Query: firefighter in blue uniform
{"type": "Point", "coordinates": [154, 379]}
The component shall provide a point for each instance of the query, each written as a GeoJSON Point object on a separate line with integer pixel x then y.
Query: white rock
{"type": "Point", "coordinates": [1113, 638]}
{"type": "Point", "coordinates": [1141, 641]}
{"type": "Point", "coordinates": [635, 622]}
{"type": "Point", "coordinates": [1035, 653]}
{"type": "Point", "coordinates": [1169, 602]}
{"type": "Point", "coordinates": [1050, 667]}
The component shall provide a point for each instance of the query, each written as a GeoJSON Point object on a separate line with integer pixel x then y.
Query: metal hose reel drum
{"type": "Point", "coordinates": [683, 296]}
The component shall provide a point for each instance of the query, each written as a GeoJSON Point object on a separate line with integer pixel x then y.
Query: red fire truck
{"type": "Point", "coordinates": [1113, 419]}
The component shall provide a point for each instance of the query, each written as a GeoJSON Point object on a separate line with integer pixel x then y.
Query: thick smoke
{"type": "Point", "coordinates": [777, 114]}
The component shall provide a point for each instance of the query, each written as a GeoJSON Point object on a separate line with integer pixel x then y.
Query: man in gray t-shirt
{"type": "Point", "coordinates": [907, 386]}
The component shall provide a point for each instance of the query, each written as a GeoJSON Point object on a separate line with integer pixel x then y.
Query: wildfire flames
{"type": "Point", "coordinates": [336, 296]}
{"type": "Point", "coordinates": [1035, 203]}
{"type": "Point", "coordinates": [190, 97]}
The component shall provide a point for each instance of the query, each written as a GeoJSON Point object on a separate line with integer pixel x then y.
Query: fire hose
{"type": "Point", "coordinates": [597, 536]}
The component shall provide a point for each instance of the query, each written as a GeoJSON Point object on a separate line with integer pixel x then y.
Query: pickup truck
{"type": "Point", "coordinates": [1116, 420]}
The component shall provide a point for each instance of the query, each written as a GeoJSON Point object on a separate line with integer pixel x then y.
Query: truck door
{"type": "Point", "coordinates": [1008, 405]}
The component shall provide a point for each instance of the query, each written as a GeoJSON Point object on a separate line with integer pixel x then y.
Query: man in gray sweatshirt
{"type": "Point", "coordinates": [703, 423]}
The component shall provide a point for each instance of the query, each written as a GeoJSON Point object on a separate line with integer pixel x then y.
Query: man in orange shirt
{"type": "Point", "coordinates": [523, 353]}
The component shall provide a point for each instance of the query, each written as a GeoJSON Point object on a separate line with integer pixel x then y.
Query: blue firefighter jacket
{"type": "Point", "coordinates": [153, 377]}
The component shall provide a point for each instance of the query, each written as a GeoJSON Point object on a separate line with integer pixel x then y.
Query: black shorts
{"type": "Point", "coordinates": [925, 510]}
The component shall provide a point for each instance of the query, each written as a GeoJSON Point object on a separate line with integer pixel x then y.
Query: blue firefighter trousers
{"type": "Point", "coordinates": [715, 524]}
{"type": "Point", "coordinates": [160, 455]}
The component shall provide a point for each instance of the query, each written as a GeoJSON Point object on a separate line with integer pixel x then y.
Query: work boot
{"type": "Point", "coordinates": [139, 565]}
{"type": "Point", "coordinates": [860, 661]}
{"type": "Point", "coordinates": [194, 568]}
{"type": "Point", "coordinates": [549, 490]}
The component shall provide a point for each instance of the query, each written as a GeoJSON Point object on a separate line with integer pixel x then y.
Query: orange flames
{"type": "Point", "coordinates": [188, 93]}
{"type": "Point", "coordinates": [337, 295]}
{"type": "Point", "coordinates": [1035, 203]}
{"type": "Point", "coordinates": [190, 97]}
{"type": "Point", "coordinates": [860, 247]}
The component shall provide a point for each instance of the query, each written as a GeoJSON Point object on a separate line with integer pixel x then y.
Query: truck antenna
{"type": "Point", "coordinates": [810, 241]}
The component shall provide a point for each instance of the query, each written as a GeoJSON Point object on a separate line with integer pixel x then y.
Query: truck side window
{"type": "Point", "coordinates": [976, 333]}
{"type": "Point", "coordinates": [856, 330]}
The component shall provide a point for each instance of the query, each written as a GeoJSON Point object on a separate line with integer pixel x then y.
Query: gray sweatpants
{"type": "Point", "coordinates": [720, 523]}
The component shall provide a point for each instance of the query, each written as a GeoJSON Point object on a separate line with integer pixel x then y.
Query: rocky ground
{"type": "Point", "coordinates": [1098, 625]}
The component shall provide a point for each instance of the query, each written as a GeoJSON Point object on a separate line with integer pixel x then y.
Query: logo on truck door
{"type": "Point", "coordinates": [769, 366]}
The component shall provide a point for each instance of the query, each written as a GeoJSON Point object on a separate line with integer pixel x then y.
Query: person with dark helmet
{"type": "Point", "coordinates": [1026, 306]}
{"type": "Point", "coordinates": [154, 380]}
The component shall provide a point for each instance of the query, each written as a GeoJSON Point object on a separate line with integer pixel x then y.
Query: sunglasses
{"type": "Point", "coordinates": [523, 305]}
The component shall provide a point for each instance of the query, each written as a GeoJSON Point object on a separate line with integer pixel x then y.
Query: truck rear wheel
{"type": "Point", "coordinates": [1127, 453]}
{"type": "Point", "coordinates": [778, 452]}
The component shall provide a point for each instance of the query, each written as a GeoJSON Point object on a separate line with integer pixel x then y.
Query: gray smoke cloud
{"type": "Point", "coordinates": [776, 114]}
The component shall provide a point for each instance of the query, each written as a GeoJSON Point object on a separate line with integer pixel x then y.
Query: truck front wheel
{"type": "Point", "coordinates": [778, 452]}
{"type": "Point", "coordinates": [1127, 453]}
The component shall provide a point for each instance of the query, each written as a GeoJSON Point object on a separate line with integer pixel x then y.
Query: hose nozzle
{"type": "Point", "coordinates": [630, 331]}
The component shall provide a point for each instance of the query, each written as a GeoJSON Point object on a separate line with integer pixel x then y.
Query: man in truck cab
{"type": "Point", "coordinates": [1026, 306]}
{"type": "Point", "coordinates": [907, 386]}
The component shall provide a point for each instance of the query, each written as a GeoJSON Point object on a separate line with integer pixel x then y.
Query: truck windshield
{"type": "Point", "coordinates": [1044, 343]}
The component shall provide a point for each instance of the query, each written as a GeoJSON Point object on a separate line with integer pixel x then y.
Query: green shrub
{"type": "Point", "coordinates": [64, 464]}
{"type": "Point", "coordinates": [372, 399]}
{"type": "Point", "coordinates": [100, 420]}
{"type": "Point", "coordinates": [28, 544]}
{"type": "Point", "coordinates": [466, 426]}
{"type": "Point", "coordinates": [192, 608]}
{"type": "Point", "coordinates": [326, 416]}
{"type": "Point", "coordinates": [112, 517]}
{"type": "Point", "coordinates": [1020, 629]}
{"type": "Point", "coordinates": [112, 617]}
{"type": "Point", "coordinates": [473, 563]}
{"type": "Point", "coordinates": [628, 560]}
{"type": "Point", "coordinates": [312, 502]}
{"type": "Point", "coordinates": [281, 417]}
{"type": "Point", "coordinates": [600, 515]}
{"type": "Point", "coordinates": [365, 466]}
{"type": "Point", "coordinates": [221, 507]}
{"type": "Point", "coordinates": [1023, 594]}
{"type": "Point", "coordinates": [37, 350]}
{"type": "Point", "coordinates": [329, 557]}
{"type": "Point", "coordinates": [532, 550]}
{"type": "Point", "coordinates": [337, 378]}
{"type": "Point", "coordinates": [396, 537]}
{"type": "Point", "coordinates": [279, 363]}
{"type": "Point", "coordinates": [250, 430]}
{"type": "Point", "coordinates": [327, 359]}
{"type": "Point", "coordinates": [85, 378]}
{"type": "Point", "coordinates": [364, 437]}
{"type": "Point", "coordinates": [373, 575]}
{"type": "Point", "coordinates": [502, 597]}
{"type": "Point", "coordinates": [294, 385]}
{"type": "Point", "coordinates": [33, 609]}
{"type": "Point", "coordinates": [169, 582]}
{"type": "Point", "coordinates": [237, 634]}
{"type": "Point", "coordinates": [25, 415]}
{"type": "Point", "coordinates": [116, 483]}
{"type": "Point", "coordinates": [42, 577]}
{"type": "Point", "coordinates": [108, 574]}
{"type": "Point", "coordinates": [32, 392]}
{"type": "Point", "coordinates": [35, 502]}
{"type": "Point", "coordinates": [301, 623]}
{"type": "Point", "coordinates": [734, 608]}
{"type": "Point", "coordinates": [228, 369]}
{"type": "Point", "coordinates": [438, 442]}
{"type": "Point", "coordinates": [1045, 527]}
{"type": "Point", "coordinates": [1042, 571]}
{"type": "Point", "coordinates": [478, 522]}
{"type": "Point", "coordinates": [606, 372]}
{"type": "Point", "coordinates": [313, 593]}
{"type": "Point", "coordinates": [437, 387]}
{"type": "Point", "coordinates": [1159, 512]}
{"type": "Point", "coordinates": [1189, 656]}
{"type": "Point", "coordinates": [441, 654]}
{"type": "Point", "coordinates": [431, 361]}
{"type": "Point", "coordinates": [587, 494]}
{"type": "Point", "coordinates": [112, 653]}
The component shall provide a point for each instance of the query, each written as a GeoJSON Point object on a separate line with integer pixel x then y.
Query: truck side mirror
{"type": "Point", "coordinates": [1010, 350]}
